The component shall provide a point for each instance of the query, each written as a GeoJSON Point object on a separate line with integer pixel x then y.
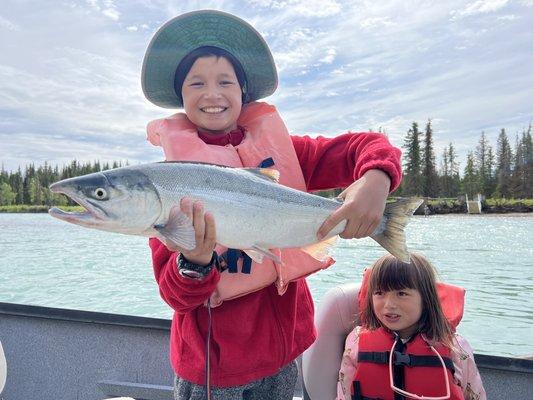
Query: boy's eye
{"type": "Point", "coordinates": [402, 293]}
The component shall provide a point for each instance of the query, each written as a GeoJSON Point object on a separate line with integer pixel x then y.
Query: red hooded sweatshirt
{"type": "Point", "coordinates": [256, 335]}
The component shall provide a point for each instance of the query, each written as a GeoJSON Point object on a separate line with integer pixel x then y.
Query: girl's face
{"type": "Point", "coordinates": [398, 310]}
{"type": "Point", "coordinates": [212, 96]}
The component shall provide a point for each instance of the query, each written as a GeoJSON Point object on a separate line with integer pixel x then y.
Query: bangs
{"type": "Point", "coordinates": [393, 274]}
{"type": "Point", "coordinates": [206, 51]}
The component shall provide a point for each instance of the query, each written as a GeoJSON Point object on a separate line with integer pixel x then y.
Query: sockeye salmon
{"type": "Point", "coordinates": [252, 211]}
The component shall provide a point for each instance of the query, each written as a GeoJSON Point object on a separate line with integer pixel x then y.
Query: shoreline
{"type": "Point", "coordinates": [44, 210]}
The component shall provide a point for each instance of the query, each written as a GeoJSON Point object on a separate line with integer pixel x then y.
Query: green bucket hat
{"type": "Point", "coordinates": [183, 34]}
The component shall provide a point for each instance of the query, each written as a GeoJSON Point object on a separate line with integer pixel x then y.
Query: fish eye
{"type": "Point", "coordinates": [100, 193]}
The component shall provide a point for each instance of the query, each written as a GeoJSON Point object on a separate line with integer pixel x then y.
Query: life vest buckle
{"type": "Point", "coordinates": [402, 359]}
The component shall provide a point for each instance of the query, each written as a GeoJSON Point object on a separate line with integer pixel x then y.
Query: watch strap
{"type": "Point", "coordinates": [196, 271]}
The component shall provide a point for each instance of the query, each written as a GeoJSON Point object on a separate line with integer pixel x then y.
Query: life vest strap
{"type": "Point", "coordinates": [404, 359]}
{"type": "Point", "coordinates": [267, 162]}
{"type": "Point", "coordinates": [231, 257]}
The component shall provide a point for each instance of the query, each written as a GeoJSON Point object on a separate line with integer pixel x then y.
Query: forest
{"type": "Point", "coordinates": [505, 171]}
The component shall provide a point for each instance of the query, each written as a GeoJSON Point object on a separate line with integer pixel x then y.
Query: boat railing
{"type": "Point", "coordinates": [71, 354]}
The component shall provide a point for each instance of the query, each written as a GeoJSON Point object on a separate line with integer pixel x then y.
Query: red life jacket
{"type": "Point", "coordinates": [416, 368]}
{"type": "Point", "coordinates": [267, 144]}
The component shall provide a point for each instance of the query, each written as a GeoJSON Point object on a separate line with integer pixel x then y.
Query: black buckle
{"type": "Point", "coordinates": [402, 359]}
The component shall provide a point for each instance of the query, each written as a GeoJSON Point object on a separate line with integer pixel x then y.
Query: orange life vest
{"type": "Point", "coordinates": [266, 143]}
{"type": "Point", "coordinates": [416, 367]}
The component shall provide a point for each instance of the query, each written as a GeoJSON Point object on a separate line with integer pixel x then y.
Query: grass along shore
{"type": "Point", "coordinates": [488, 206]}
{"type": "Point", "coordinates": [26, 208]}
{"type": "Point", "coordinates": [436, 206]}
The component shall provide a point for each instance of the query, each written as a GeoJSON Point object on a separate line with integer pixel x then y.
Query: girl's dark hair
{"type": "Point", "coordinates": [207, 51]}
{"type": "Point", "coordinates": [388, 273]}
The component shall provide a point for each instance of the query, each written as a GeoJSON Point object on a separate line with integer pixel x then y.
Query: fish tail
{"type": "Point", "coordinates": [396, 217]}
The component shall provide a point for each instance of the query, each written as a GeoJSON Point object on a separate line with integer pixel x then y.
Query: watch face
{"type": "Point", "coordinates": [187, 273]}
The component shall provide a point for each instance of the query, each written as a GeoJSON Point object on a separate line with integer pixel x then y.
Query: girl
{"type": "Point", "coordinates": [406, 346]}
{"type": "Point", "coordinates": [215, 66]}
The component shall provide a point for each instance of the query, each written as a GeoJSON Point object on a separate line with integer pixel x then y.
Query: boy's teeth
{"type": "Point", "coordinates": [213, 109]}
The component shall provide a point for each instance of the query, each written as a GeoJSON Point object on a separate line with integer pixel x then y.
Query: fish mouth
{"type": "Point", "coordinates": [91, 215]}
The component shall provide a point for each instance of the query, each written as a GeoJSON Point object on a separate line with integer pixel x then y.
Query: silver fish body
{"type": "Point", "coordinates": [250, 209]}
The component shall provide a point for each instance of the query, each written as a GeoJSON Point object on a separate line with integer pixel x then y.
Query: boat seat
{"type": "Point", "coordinates": [336, 317]}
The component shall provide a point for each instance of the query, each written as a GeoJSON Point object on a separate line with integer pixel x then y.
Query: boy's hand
{"type": "Point", "coordinates": [205, 233]}
{"type": "Point", "coordinates": [364, 203]}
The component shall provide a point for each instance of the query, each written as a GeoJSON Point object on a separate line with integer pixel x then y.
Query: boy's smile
{"type": "Point", "coordinates": [212, 96]}
{"type": "Point", "coordinates": [398, 310]}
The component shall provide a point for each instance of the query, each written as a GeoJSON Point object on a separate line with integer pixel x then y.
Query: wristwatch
{"type": "Point", "coordinates": [190, 270]}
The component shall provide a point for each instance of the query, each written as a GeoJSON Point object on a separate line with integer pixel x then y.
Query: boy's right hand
{"type": "Point", "coordinates": [204, 229]}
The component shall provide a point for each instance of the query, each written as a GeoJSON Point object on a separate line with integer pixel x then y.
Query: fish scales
{"type": "Point", "coordinates": [250, 210]}
{"type": "Point", "coordinates": [179, 177]}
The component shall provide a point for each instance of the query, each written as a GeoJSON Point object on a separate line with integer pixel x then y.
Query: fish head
{"type": "Point", "coordinates": [120, 200]}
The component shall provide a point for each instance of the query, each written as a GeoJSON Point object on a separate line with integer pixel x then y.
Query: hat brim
{"type": "Point", "coordinates": [187, 32]}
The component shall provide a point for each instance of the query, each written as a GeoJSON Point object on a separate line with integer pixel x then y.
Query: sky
{"type": "Point", "coordinates": [70, 71]}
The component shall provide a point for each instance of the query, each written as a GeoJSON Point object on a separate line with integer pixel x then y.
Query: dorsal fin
{"type": "Point", "coordinates": [265, 173]}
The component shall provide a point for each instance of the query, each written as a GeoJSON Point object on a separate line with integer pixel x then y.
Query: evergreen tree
{"type": "Point", "coordinates": [471, 179]}
{"type": "Point", "coordinates": [521, 180]}
{"type": "Point", "coordinates": [7, 196]}
{"type": "Point", "coordinates": [412, 180]}
{"type": "Point", "coordinates": [444, 175]}
{"type": "Point", "coordinates": [528, 145]}
{"type": "Point", "coordinates": [429, 171]}
{"type": "Point", "coordinates": [504, 157]}
{"type": "Point", "coordinates": [453, 165]}
{"type": "Point", "coordinates": [483, 164]}
{"type": "Point", "coordinates": [35, 191]}
{"type": "Point", "coordinates": [16, 181]}
{"type": "Point", "coordinates": [491, 183]}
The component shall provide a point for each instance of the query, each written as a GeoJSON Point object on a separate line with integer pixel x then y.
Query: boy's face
{"type": "Point", "coordinates": [212, 96]}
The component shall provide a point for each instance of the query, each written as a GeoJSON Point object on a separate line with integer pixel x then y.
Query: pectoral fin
{"type": "Point", "coordinates": [254, 255]}
{"type": "Point", "coordinates": [178, 229]}
{"type": "Point", "coordinates": [264, 252]}
{"type": "Point", "coordinates": [320, 250]}
{"type": "Point", "coordinates": [265, 173]}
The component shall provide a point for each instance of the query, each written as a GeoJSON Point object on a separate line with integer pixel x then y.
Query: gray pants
{"type": "Point", "coordinates": [275, 387]}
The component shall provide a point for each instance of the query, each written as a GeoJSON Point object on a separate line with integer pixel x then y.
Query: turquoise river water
{"type": "Point", "coordinates": [50, 263]}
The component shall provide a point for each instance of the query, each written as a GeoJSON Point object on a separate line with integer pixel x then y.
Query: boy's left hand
{"type": "Point", "coordinates": [364, 203]}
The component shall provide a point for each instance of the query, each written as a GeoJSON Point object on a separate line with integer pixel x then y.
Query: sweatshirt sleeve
{"type": "Point", "coordinates": [180, 293]}
{"type": "Point", "coordinates": [329, 163]}
{"type": "Point", "coordinates": [466, 371]}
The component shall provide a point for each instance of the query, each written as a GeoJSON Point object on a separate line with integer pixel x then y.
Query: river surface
{"type": "Point", "coordinates": [48, 262]}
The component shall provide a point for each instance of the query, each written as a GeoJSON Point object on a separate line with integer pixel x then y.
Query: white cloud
{"type": "Point", "coordinates": [376, 22]}
{"type": "Point", "coordinates": [480, 7]}
{"type": "Point", "coordinates": [5, 23]}
{"type": "Point", "coordinates": [352, 66]}
{"type": "Point", "coordinates": [106, 7]}
{"type": "Point", "coordinates": [330, 56]}
{"type": "Point", "coordinates": [111, 13]}
{"type": "Point", "coordinates": [510, 17]}
{"type": "Point", "coordinates": [306, 8]}
{"type": "Point", "coordinates": [316, 8]}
